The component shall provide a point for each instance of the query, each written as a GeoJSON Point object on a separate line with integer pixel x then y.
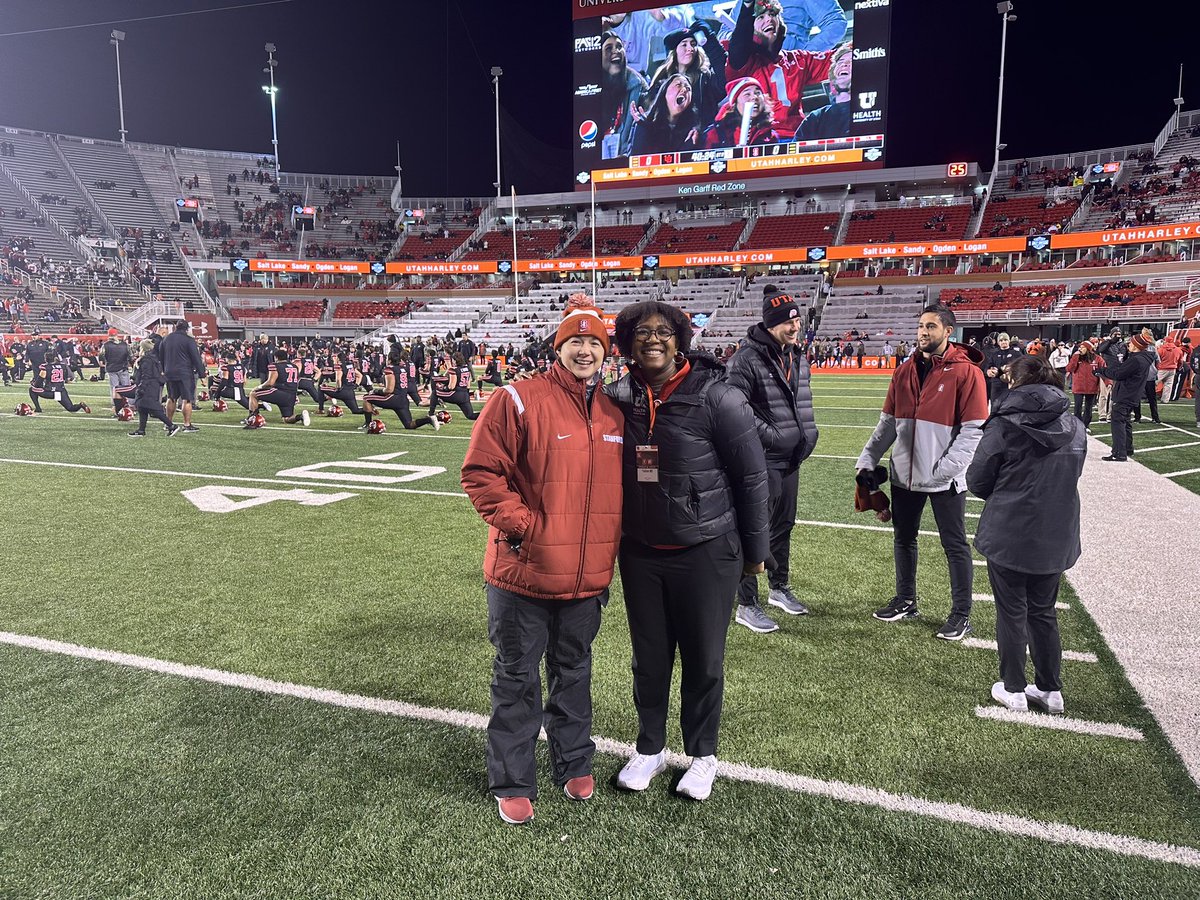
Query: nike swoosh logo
{"type": "Point", "coordinates": [563, 437]}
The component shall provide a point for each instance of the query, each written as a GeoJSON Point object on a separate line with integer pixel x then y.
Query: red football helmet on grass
{"type": "Point", "coordinates": [255, 421]}
{"type": "Point", "coordinates": [376, 427]}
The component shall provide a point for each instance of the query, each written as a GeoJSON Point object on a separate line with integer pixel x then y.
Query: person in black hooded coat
{"type": "Point", "coordinates": [1028, 462]}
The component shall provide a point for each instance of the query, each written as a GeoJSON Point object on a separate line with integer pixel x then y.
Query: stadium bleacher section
{"type": "Point", "coordinates": [883, 224]}
{"type": "Point", "coordinates": [815, 230]}
{"type": "Point", "coordinates": [701, 238]}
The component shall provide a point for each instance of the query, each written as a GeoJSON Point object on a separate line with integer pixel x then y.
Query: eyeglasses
{"type": "Point", "coordinates": [646, 334]}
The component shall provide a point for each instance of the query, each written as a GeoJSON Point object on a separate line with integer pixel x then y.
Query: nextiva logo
{"type": "Point", "coordinates": [241, 265]}
{"type": "Point", "coordinates": [504, 267]}
{"type": "Point", "coordinates": [588, 44]}
{"type": "Point", "coordinates": [587, 134]}
{"type": "Point", "coordinates": [872, 53]}
{"type": "Point", "coordinates": [1039, 242]}
{"type": "Point", "coordinates": [816, 254]}
{"type": "Point", "coordinates": [871, 4]}
{"type": "Point", "coordinates": [587, 90]}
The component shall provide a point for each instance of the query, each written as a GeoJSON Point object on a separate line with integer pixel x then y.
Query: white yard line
{"type": "Point", "coordinates": [1073, 655]}
{"type": "Point", "coordinates": [859, 795]}
{"type": "Point", "coordinates": [1136, 431]}
{"type": "Point", "coordinates": [989, 598]}
{"type": "Point", "coordinates": [1182, 473]}
{"type": "Point", "coordinates": [173, 474]}
{"type": "Point", "coordinates": [400, 430]}
{"type": "Point", "coordinates": [1059, 723]}
{"type": "Point", "coordinates": [1142, 450]}
{"type": "Point", "coordinates": [1195, 434]}
{"type": "Point", "coordinates": [852, 527]}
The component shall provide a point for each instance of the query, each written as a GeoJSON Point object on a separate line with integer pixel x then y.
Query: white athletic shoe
{"type": "Point", "coordinates": [305, 417]}
{"type": "Point", "coordinates": [697, 781]}
{"type": "Point", "coordinates": [1050, 701]}
{"type": "Point", "coordinates": [1009, 700]}
{"type": "Point", "coordinates": [437, 425]}
{"type": "Point", "coordinates": [265, 406]}
{"type": "Point", "coordinates": [640, 771]}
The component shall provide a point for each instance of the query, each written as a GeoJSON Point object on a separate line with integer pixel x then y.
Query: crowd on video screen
{"type": "Point", "coordinates": [698, 76]}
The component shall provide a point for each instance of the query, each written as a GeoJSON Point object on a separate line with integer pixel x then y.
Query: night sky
{"type": "Point", "coordinates": [357, 76]}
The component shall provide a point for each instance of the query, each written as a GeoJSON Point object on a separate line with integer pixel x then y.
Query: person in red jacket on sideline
{"type": "Point", "coordinates": [1169, 356]}
{"type": "Point", "coordinates": [544, 471]}
{"type": "Point", "coordinates": [1085, 383]}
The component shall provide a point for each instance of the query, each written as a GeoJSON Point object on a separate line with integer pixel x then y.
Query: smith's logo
{"type": "Point", "coordinates": [585, 44]}
{"type": "Point", "coordinates": [872, 53]}
{"type": "Point", "coordinates": [866, 100]}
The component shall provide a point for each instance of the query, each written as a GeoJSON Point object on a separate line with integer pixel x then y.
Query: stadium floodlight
{"type": "Point", "coordinates": [271, 90]}
{"type": "Point", "coordinates": [1005, 10]}
{"type": "Point", "coordinates": [496, 73]}
{"type": "Point", "coordinates": [115, 38]}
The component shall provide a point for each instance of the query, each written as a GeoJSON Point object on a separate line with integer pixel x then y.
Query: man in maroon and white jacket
{"type": "Point", "coordinates": [932, 420]}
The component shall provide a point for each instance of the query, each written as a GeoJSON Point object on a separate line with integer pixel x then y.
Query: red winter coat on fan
{"type": "Point", "coordinates": [1084, 379]}
{"type": "Point", "coordinates": [544, 467]}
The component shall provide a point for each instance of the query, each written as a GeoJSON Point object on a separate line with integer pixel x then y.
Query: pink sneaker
{"type": "Point", "coordinates": [580, 788]}
{"type": "Point", "coordinates": [515, 810]}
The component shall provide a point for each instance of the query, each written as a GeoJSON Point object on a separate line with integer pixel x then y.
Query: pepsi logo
{"type": "Point", "coordinates": [588, 131]}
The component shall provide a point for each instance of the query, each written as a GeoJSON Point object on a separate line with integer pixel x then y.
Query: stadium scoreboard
{"type": "Point", "coordinates": [725, 88]}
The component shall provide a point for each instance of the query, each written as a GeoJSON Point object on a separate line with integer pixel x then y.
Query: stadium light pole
{"type": "Point", "coordinates": [1006, 13]}
{"type": "Point", "coordinates": [496, 73]}
{"type": "Point", "coordinates": [271, 90]}
{"type": "Point", "coordinates": [115, 39]}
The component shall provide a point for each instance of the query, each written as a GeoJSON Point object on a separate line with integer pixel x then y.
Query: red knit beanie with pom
{"type": "Point", "coordinates": [581, 317]}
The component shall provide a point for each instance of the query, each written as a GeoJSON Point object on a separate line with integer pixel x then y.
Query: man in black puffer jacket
{"type": "Point", "coordinates": [773, 373]}
{"type": "Point", "coordinates": [1129, 387]}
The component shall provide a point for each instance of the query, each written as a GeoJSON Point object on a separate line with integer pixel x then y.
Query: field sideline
{"type": "Point", "coordinates": [347, 566]}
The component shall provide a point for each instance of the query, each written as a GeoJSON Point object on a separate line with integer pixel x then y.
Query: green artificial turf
{"type": "Point", "coordinates": [127, 784]}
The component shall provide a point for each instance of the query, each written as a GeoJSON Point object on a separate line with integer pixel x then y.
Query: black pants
{"type": "Point", "coordinates": [523, 630]}
{"type": "Point", "coordinates": [1122, 429]}
{"type": "Point", "coordinates": [783, 487]}
{"type": "Point", "coordinates": [1084, 404]}
{"type": "Point", "coordinates": [146, 411]}
{"type": "Point", "coordinates": [1025, 616]}
{"type": "Point", "coordinates": [347, 396]}
{"type": "Point", "coordinates": [949, 511]}
{"type": "Point", "coordinates": [309, 387]}
{"type": "Point", "coordinates": [680, 599]}
{"type": "Point", "coordinates": [63, 397]}
{"type": "Point", "coordinates": [398, 403]}
{"type": "Point", "coordinates": [1152, 398]}
{"type": "Point", "coordinates": [460, 398]}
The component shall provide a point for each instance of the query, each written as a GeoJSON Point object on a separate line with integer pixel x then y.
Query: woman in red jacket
{"type": "Point", "coordinates": [1085, 383]}
{"type": "Point", "coordinates": [544, 471]}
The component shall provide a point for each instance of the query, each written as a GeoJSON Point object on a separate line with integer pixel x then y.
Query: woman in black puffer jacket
{"type": "Point", "coordinates": [694, 521]}
{"type": "Point", "coordinates": [1028, 462]}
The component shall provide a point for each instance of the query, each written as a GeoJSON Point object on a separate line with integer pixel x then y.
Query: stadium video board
{"type": "Point", "coordinates": [728, 88]}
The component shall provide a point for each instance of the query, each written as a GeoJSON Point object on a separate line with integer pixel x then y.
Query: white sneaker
{"type": "Point", "coordinates": [437, 425]}
{"type": "Point", "coordinates": [265, 406]}
{"type": "Point", "coordinates": [1009, 700]}
{"type": "Point", "coordinates": [1050, 701]}
{"type": "Point", "coordinates": [697, 781]}
{"type": "Point", "coordinates": [640, 771]}
{"type": "Point", "coordinates": [305, 418]}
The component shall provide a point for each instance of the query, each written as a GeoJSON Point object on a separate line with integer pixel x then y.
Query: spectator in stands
{"type": "Point", "coordinates": [727, 131]}
{"type": "Point", "coordinates": [774, 375]}
{"type": "Point", "coordinates": [755, 50]}
{"type": "Point", "coordinates": [694, 523]}
{"type": "Point", "coordinates": [671, 123]}
{"type": "Point", "coordinates": [932, 420]}
{"type": "Point", "coordinates": [1029, 460]}
{"type": "Point", "coordinates": [620, 88]}
{"type": "Point", "coordinates": [703, 64]}
{"type": "Point", "coordinates": [1129, 387]}
{"type": "Point", "coordinates": [1084, 383]}
{"type": "Point", "coordinates": [544, 596]}
{"type": "Point", "coordinates": [833, 119]}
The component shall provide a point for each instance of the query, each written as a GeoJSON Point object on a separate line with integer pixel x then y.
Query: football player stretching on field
{"type": "Point", "coordinates": [280, 389]}
{"type": "Point", "coordinates": [346, 377]}
{"type": "Point", "coordinates": [393, 395]}
{"type": "Point", "coordinates": [457, 389]}
{"type": "Point", "coordinates": [50, 382]}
